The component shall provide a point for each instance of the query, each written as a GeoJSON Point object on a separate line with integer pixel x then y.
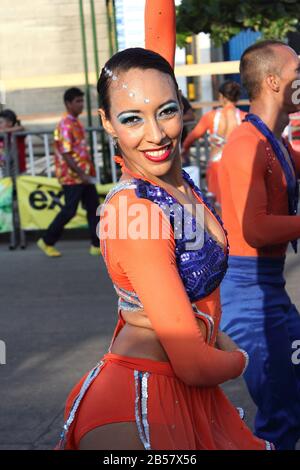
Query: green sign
{"type": "Point", "coordinates": [6, 206]}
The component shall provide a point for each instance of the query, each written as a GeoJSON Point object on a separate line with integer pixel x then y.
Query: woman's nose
{"type": "Point", "coordinates": [154, 132]}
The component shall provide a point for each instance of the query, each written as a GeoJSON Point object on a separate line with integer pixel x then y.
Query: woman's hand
{"type": "Point", "coordinates": [225, 343]}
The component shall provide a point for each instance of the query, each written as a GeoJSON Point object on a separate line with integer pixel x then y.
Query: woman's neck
{"type": "Point", "coordinates": [228, 104]}
{"type": "Point", "coordinates": [173, 178]}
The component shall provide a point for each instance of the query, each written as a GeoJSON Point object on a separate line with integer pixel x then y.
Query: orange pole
{"type": "Point", "coordinates": [160, 28]}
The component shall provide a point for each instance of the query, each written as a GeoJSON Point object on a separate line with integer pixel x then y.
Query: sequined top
{"type": "Point", "coordinates": [201, 269]}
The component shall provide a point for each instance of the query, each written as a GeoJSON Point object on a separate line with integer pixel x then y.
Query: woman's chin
{"type": "Point", "coordinates": [161, 168]}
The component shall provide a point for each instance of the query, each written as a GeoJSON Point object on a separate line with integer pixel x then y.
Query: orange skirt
{"type": "Point", "coordinates": [169, 414]}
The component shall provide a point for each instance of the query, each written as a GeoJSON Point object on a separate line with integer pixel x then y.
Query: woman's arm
{"type": "Point", "coordinates": [242, 175]}
{"type": "Point", "coordinates": [150, 266]}
{"type": "Point", "coordinates": [12, 129]}
{"type": "Point", "coordinates": [160, 28]}
{"type": "Point", "coordinates": [62, 150]}
{"type": "Point", "coordinates": [202, 126]}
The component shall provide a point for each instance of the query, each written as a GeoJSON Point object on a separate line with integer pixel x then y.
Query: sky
{"type": "Point", "coordinates": [130, 22]}
{"type": "Point", "coordinates": [130, 27]}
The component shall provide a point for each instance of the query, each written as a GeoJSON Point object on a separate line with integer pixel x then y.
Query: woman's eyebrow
{"type": "Point", "coordinates": [167, 102]}
{"type": "Point", "coordinates": [128, 111]}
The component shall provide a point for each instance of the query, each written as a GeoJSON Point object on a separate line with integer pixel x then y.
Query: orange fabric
{"type": "Point", "coordinates": [179, 416]}
{"type": "Point", "coordinates": [160, 28]}
{"type": "Point", "coordinates": [254, 196]}
{"type": "Point", "coordinates": [212, 173]}
{"type": "Point", "coordinates": [206, 123]}
{"type": "Point", "coordinates": [295, 144]}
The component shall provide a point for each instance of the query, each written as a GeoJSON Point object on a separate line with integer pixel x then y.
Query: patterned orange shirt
{"type": "Point", "coordinates": [69, 137]}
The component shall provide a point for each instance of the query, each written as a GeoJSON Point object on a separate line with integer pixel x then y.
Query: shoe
{"type": "Point", "coordinates": [48, 249]}
{"type": "Point", "coordinates": [95, 250]}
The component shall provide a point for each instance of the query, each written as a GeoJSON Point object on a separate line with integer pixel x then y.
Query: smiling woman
{"type": "Point", "coordinates": [141, 108]}
{"type": "Point", "coordinates": [157, 387]}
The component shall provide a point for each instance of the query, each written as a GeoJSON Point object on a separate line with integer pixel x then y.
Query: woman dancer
{"type": "Point", "coordinates": [157, 387]}
{"type": "Point", "coordinates": [220, 123]}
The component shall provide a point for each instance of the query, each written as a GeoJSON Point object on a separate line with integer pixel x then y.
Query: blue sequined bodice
{"type": "Point", "coordinates": [201, 269]}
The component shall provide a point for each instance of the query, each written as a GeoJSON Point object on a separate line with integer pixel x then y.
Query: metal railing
{"type": "Point", "coordinates": [199, 151]}
{"type": "Point", "coordinates": [39, 155]}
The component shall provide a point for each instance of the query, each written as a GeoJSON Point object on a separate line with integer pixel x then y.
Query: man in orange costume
{"type": "Point", "coordinates": [259, 192]}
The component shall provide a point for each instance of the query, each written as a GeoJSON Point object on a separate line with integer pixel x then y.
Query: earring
{"type": "Point", "coordinates": [115, 141]}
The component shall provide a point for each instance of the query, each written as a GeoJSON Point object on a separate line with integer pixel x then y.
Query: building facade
{"type": "Point", "coordinates": [41, 53]}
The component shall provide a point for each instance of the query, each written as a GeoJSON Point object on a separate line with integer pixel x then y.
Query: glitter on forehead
{"type": "Point", "coordinates": [115, 78]}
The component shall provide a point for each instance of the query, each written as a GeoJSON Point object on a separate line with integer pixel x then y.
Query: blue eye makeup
{"type": "Point", "coordinates": [130, 119]}
{"type": "Point", "coordinates": [169, 110]}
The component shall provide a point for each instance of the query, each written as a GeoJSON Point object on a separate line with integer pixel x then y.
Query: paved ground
{"type": "Point", "coordinates": [57, 317]}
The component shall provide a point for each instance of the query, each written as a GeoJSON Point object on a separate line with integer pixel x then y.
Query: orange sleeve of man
{"type": "Point", "coordinates": [244, 195]}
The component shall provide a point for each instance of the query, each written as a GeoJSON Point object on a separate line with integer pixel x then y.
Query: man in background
{"type": "Point", "coordinates": [75, 172]}
{"type": "Point", "coordinates": [259, 192]}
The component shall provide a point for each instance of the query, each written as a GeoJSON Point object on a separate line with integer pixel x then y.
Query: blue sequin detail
{"type": "Point", "coordinates": [203, 269]}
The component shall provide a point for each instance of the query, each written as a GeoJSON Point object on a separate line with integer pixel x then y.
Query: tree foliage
{"type": "Point", "coordinates": [224, 19]}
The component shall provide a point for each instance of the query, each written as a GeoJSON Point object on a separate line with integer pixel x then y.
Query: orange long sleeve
{"type": "Point", "coordinates": [254, 194]}
{"type": "Point", "coordinates": [160, 28]}
{"type": "Point", "coordinates": [203, 125]}
{"type": "Point", "coordinates": [148, 266]}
